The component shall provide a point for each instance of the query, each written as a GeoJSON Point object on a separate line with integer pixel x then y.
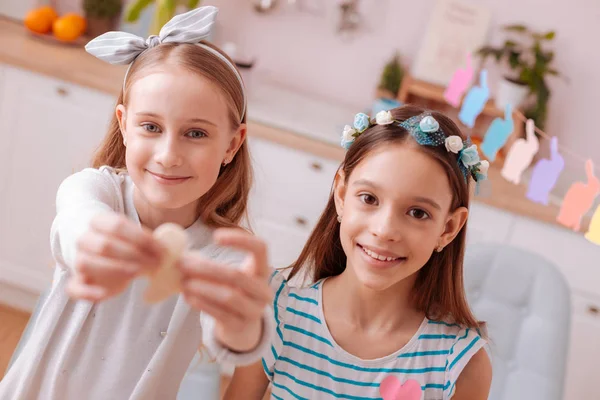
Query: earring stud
{"type": "Point", "coordinates": [339, 218]}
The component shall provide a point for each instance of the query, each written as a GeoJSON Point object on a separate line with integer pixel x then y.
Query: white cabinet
{"type": "Point", "coordinates": [48, 130]}
{"type": "Point", "coordinates": [487, 224]}
{"type": "Point", "coordinates": [290, 191]}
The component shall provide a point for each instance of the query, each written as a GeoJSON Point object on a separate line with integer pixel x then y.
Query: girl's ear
{"type": "Point", "coordinates": [455, 222]}
{"type": "Point", "coordinates": [236, 142]}
{"type": "Point", "coordinates": [339, 191]}
{"type": "Point", "coordinates": [121, 114]}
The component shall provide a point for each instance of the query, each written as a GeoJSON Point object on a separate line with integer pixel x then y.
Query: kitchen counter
{"type": "Point", "coordinates": [275, 113]}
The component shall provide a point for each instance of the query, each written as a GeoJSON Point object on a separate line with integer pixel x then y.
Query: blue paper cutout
{"type": "Point", "coordinates": [545, 174]}
{"type": "Point", "coordinates": [475, 101]}
{"type": "Point", "coordinates": [497, 134]}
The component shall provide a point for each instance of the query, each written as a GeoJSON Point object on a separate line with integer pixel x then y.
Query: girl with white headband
{"type": "Point", "coordinates": [175, 153]}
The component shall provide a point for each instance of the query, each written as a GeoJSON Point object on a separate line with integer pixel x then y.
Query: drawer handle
{"type": "Point", "coordinates": [301, 221]}
{"type": "Point", "coordinates": [594, 310]}
{"type": "Point", "coordinates": [62, 91]}
{"type": "Point", "coordinates": [316, 166]}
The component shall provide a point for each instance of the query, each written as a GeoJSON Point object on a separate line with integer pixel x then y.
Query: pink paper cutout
{"type": "Point", "coordinates": [520, 155]}
{"type": "Point", "coordinates": [593, 233]}
{"type": "Point", "coordinates": [579, 199]}
{"type": "Point", "coordinates": [392, 389]}
{"type": "Point", "coordinates": [459, 83]}
{"type": "Point", "coordinates": [475, 101]}
{"type": "Point", "coordinates": [497, 134]}
{"type": "Point", "coordinates": [545, 174]}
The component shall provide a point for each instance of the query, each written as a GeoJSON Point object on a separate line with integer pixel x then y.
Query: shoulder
{"type": "Point", "coordinates": [103, 178]}
{"type": "Point", "coordinates": [476, 378]}
{"type": "Point", "coordinates": [467, 360]}
{"type": "Point", "coordinates": [103, 184]}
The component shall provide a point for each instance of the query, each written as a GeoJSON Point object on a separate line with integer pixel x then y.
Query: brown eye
{"type": "Point", "coordinates": [368, 199]}
{"type": "Point", "coordinates": [418, 213]}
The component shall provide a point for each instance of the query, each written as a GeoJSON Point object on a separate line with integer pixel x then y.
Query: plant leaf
{"type": "Point", "coordinates": [515, 28]}
{"type": "Point", "coordinates": [550, 35]}
{"type": "Point", "coordinates": [514, 59]}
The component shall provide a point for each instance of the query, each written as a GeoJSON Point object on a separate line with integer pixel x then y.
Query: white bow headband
{"type": "Point", "coordinates": [191, 27]}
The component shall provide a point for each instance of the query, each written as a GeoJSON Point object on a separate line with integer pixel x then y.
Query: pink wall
{"type": "Point", "coordinates": [304, 51]}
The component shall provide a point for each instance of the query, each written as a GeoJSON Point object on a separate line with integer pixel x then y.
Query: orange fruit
{"type": "Point", "coordinates": [38, 21]}
{"type": "Point", "coordinates": [77, 19]}
{"type": "Point", "coordinates": [49, 12]}
{"type": "Point", "coordinates": [66, 29]}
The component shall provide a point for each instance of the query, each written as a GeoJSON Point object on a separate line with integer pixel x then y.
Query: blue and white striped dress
{"type": "Point", "coordinates": [305, 362]}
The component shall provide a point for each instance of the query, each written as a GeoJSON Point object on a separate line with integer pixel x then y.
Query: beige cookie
{"type": "Point", "coordinates": [166, 281]}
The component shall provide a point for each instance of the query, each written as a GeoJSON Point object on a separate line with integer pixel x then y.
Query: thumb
{"type": "Point", "coordinates": [257, 263]}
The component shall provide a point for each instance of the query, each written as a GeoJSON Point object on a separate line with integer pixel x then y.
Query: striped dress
{"type": "Point", "coordinates": [305, 362]}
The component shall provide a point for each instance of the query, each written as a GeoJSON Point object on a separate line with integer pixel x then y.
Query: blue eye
{"type": "Point", "coordinates": [151, 128]}
{"type": "Point", "coordinates": [196, 134]}
{"type": "Point", "coordinates": [418, 213]}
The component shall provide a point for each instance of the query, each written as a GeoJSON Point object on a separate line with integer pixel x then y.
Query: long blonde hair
{"type": "Point", "coordinates": [225, 204]}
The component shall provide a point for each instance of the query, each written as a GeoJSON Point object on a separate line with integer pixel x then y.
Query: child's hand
{"type": "Point", "coordinates": [236, 298]}
{"type": "Point", "coordinates": [112, 252]}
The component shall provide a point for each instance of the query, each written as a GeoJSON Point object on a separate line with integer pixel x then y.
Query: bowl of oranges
{"type": "Point", "coordinates": [44, 22]}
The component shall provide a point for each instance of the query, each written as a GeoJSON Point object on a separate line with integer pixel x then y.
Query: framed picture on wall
{"type": "Point", "coordinates": [456, 28]}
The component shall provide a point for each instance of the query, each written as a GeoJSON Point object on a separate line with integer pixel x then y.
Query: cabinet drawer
{"type": "Point", "coordinates": [291, 187]}
{"type": "Point", "coordinates": [285, 243]}
{"type": "Point", "coordinates": [47, 87]}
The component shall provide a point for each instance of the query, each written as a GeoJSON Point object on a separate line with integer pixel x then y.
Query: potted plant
{"type": "Point", "coordinates": [102, 15]}
{"type": "Point", "coordinates": [389, 85]}
{"type": "Point", "coordinates": [529, 64]}
{"type": "Point", "coordinates": [391, 78]}
{"type": "Point", "coordinates": [163, 12]}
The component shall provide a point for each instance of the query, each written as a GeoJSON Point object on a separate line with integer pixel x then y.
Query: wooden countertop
{"type": "Point", "coordinates": [72, 64]}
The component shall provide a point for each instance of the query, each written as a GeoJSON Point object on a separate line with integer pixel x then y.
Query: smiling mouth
{"type": "Point", "coordinates": [171, 178]}
{"type": "Point", "coordinates": [380, 257]}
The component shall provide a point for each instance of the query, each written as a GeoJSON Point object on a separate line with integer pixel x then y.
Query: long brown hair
{"type": "Point", "coordinates": [225, 204]}
{"type": "Point", "coordinates": [439, 288]}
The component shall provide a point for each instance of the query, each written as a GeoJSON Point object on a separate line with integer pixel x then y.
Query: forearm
{"type": "Point", "coordinates": [249, 382]}
{"type": "Point", "coordinates": [239, 348]}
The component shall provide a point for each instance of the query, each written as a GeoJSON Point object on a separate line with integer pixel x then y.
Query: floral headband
{"type": "Point", "coordinates": [426, 131]}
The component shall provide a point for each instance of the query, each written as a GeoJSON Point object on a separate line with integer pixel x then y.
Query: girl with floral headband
{"type": "Point", "coordinates": [385, 313]}
{"type": "Point", "coordinates": [175, 153]}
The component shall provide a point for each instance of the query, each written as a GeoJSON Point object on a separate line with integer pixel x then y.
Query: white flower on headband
{"type": "Point", "coordinates": [384, 118]}
{"type": "Point", "coordinates": [348, 134]}
{"type": "Point", "coordinates": [483, 167]}
{"type": "Point", "coordinates": [454, 144]}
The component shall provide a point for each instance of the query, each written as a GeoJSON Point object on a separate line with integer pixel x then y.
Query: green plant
{"type": "Point", "coordinates": [102, 9]}
{"type": "Point", "coordinates": [530, 64]}
{"type": "Point", "coordinates": [164, 11]}
{"type": "Point", "coordinates": [392, 76]}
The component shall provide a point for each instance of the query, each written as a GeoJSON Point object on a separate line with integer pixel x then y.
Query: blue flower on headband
{"type": "Point", "coordinates": [361, 122]}
{"type": "Point", "coordinates": [469, 156]}
{"type": "Point", "coordinates": [428, 124]}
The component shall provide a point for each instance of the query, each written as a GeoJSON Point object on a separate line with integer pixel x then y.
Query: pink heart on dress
{"type": "Point", "coordinates": [392, 389]}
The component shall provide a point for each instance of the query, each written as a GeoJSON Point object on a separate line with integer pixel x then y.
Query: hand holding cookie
{"type": "Point", "coordinates": [235, 298]}
{"type": "Point", "coordinates": [109, 255]}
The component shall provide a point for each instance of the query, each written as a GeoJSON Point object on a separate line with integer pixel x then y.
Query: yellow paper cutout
{"type": "Point", "coordinates": [593, 233]}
